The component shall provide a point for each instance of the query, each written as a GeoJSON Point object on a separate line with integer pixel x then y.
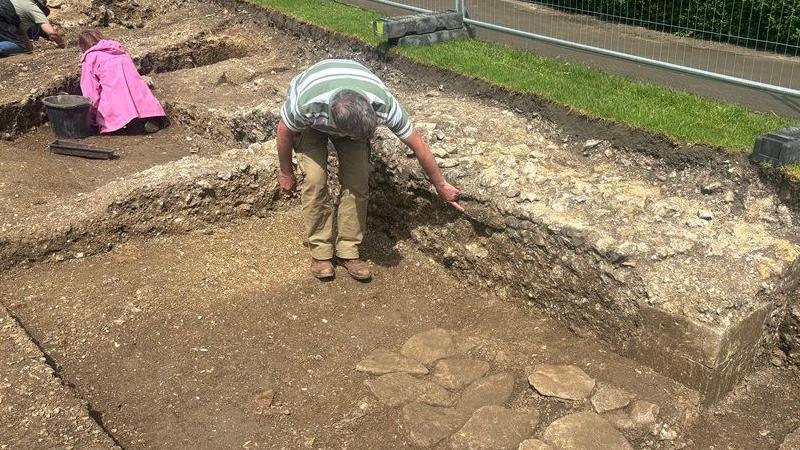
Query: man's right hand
{"type": "Point", "coordinates": [449, 193]}
{"type": "Point", "coordinates": [287, 181]}
{"type": "Point", "coordinates": [52, 33]}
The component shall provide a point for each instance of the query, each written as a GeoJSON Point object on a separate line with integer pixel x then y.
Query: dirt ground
{"type": "Point", "coordinates": [176, 341]}
{"type": "Point", "coordinates": [173, 340]}
{"type": "Point", "coordinates": [177, 335]}
{"type": "Point", "coordinates": [58, 177]}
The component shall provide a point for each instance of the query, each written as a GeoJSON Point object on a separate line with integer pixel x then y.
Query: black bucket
{"type": "Point", "coordinates": [69, 116]}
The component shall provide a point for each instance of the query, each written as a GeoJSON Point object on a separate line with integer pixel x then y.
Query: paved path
{"type": "Point", "coordinates": [727, 59]}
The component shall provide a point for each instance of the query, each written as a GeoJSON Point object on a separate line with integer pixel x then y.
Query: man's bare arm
{"type": "Point", "coordinates": [447, 192]}
{"type": "Point", "coordinates": [285, 144]}
{"type": "Point", "coordinates": [52, 34]}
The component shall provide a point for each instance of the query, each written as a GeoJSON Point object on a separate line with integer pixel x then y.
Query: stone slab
{"type": "Point", "coordinates": [456, 373]}
{"type": "Point", "coordinates": [534, 444]}
{"type": "Point", "coordinates": [710, 359]}
{"type": "Point", "coordinates": [495, 427]}
{"type": "Point", "coordinates": [643, 413]}
{"type": "Point", "coordinates": [585, 431]}
{"type": "Point", "coordinates": [430, 346]}
{"type": "Point", "coordinates": [491, 390]}
{"type": "Point", "coordinates": [428, 425]}
{"type": "Point", "coordinates": [639, 415]}
{"type": "Point", "coordinates": [381, 362]}
{"type": "Point", "coordinates": [609, 398]}
{"type": "Point", "coordinates": [567, 382]}
{"type": "Point", "coordinates": [395, 389]}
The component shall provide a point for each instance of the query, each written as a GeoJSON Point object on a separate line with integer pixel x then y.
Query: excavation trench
{"type": "Point", "coordinates": [18, 117]}
{"type": "Point", "coordinates": [171, 288]}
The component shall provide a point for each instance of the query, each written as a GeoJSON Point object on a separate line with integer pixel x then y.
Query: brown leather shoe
{"type": "Point", "coordinates": [357, 269]}
{"type": "Point", "coordinates": [322, 268]}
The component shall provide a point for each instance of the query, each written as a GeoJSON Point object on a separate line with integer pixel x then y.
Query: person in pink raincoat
{"type": "Point", "coordinates": [120, 97]}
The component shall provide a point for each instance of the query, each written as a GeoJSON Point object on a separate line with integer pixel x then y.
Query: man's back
{"type": "Point", "coordinates": [310, 93]}
{"type": "Point", "coordinates": [29, 14]}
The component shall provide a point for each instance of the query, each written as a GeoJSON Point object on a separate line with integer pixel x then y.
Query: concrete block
{"type": "Point", "coordinates": [433, 38]}
{"type": "Point", "coordinates": [397, 27]}
{"type": "Point", "coordinates": [778, 147]}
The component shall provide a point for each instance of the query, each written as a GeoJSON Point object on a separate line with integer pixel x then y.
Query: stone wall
{"type": "Point", "coordinates": [697, 311]}
{"type": "Point", "coordinates": [790, 336]}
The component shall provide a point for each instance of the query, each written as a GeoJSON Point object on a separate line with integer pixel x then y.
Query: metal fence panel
{"type": "Point", "coordinates": [743, 45]}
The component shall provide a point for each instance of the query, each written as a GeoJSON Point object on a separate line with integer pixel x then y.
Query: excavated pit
{"type": "Point", "coordinates": [20, 105]}
{"type": "Point", "coordinates": [170, 287]}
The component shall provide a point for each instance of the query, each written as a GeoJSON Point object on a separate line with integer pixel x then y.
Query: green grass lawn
{"type": "Point", "coordinates": [683, 116]}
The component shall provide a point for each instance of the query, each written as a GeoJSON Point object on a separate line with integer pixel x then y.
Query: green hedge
{"type": "Point", "coordinates": [755, 22]}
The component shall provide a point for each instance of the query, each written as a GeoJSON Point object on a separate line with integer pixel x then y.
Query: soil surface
{"type": "Point", "coordinates": [34, 177]}
{"type": "Point", "coordinates": [219, 337]}
{"type": "Point", "coordinates": [173, 340]}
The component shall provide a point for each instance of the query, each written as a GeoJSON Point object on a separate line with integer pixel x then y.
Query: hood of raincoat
{"type": "Point", "coordinates": [106, 46]}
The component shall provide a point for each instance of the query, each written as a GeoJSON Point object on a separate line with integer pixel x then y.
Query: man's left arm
{"type": "Point", "coordinates": [447, 191]}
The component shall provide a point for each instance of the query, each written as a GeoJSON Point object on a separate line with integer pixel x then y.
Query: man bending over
{"type": "Point", "coordinates": [342, 101]}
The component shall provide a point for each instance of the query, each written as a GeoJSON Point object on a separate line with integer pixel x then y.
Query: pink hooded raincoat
{"type": "Point", "coordinates": [118, 93]}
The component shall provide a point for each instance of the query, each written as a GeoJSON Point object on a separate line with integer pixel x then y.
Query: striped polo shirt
{"type": "Point", "coordinates": [308, 100]}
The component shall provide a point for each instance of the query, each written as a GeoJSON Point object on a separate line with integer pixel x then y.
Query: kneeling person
{"type": "Point", "coordinates": [120, 97]}
{"type": "Point", "coordinates": [342, 101]}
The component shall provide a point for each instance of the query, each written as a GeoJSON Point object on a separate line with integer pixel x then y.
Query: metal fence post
{"type": "Point", "coordinates": [461, 8]}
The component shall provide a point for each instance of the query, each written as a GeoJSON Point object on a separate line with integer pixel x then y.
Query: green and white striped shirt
{"type": "Point", "coordinates": [308, 101]}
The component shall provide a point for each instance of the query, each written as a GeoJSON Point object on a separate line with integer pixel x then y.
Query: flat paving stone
{"type": "Point", "coordinates": [491, 390]}
{"type": "Point", "coordinates": [495, 427]}
{"type": "Point", "coordinates": [585, 431]}
{"type": "Point", "coordinates": [609, 398]}
{"type": "Point", "coordinates": [430, 346]}
{"type": "Point", "coordinates": [428, 425]}
{"type": "Point", "coordinates": [643, 414]}
{"type": "Point", "coordinates": [534, 444]}
{"type": "Point", "coordinates": [567, 382]}
{"type": "Point", "coordinates": [394, 389]}
{"type": "Point", "coordinates": [639, 415]}
{"type": "Point", "coordinates": [620, 419]}
{"type": "Point", "coordinates": [456, 373]}
{"type": "Point", "coordinates": [381, 362]}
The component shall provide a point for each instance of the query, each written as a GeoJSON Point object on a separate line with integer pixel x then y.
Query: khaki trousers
{"type": "Point", "coordinates": [318, 208]}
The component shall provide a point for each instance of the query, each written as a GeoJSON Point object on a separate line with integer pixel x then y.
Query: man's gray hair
{"type": "Point", "coordinates": [353, 114]}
